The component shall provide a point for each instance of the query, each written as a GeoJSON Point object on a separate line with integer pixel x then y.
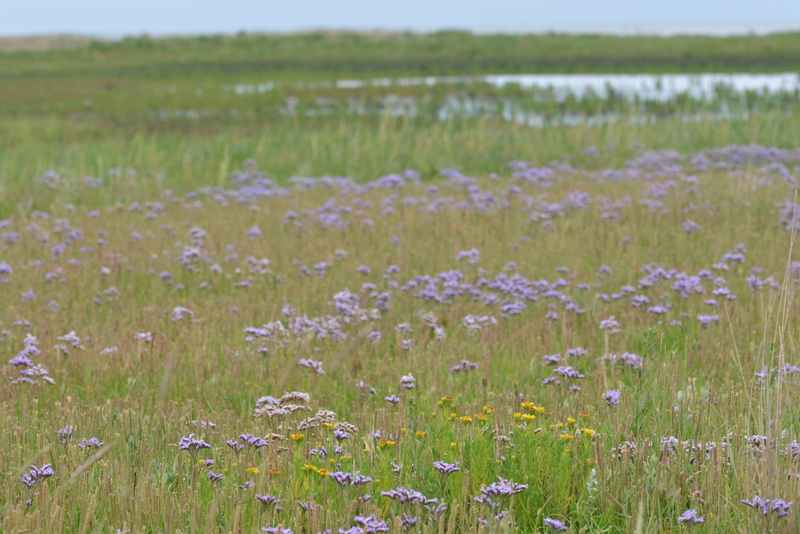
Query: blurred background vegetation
{"type": "Point", "coordinates": [186, 111]}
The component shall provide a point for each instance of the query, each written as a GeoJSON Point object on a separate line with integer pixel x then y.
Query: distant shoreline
{"type": "Point", "coordinates": [65, 40]}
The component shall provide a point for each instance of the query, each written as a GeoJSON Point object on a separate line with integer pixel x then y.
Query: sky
{"type": "Point", "coordinates": [116, 18]}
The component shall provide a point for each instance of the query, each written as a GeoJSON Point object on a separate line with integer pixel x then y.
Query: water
{"type": "Point", "coordinates": [648, 87]}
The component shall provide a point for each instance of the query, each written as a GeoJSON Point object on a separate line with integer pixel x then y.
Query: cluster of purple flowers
{"type": "Point", "coordinates": [189, 443]}
{"type": "Point", "coordinates": [778, 507]}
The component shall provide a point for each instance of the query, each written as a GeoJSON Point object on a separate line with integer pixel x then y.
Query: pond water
{"type": "Point", "coordinates": [651, 87]}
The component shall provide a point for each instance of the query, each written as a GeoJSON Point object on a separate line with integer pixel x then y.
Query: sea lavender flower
{"type": "Point", "coordinates": [706, 320]}
{"type": "Point", "coordinates": [311, 364]}
{"type": "Point", "coordinates": [214, 477]}
{"type": "Point", "coordinates": [64, 435]}
{"type": "Point", "coordinates": [36, 475]}
{"type": "Point", "coordinates": [445, 468]}
{"type": "Point", "coordinates": [502, 488]}
{"type": "Point", "coordinates": [371, 524]}
{"type": "Point", "coordinates": [254, 233]}
{"type": "Point", "coordinates": [610, 325]}
{"type": "Point", "coordinates": [235, 445]}
{"type": "Point", "coordinates": [689, 226]}
{"type": "Point", "coordinates": [268, 501]}
{"type": "Point", "coordinates": [408, 496]}
{"type": "Point", "coordinates": [554, 524]}
{"type": "Point", "coordinates": [188, 443]}
{"type": "Point", "coordinates": [690, 517]}
{"type": "Point", "coordinates": [91, 442]}
{"type": "Point", "coordinates": [408, 522]}
{"type": "Point", "coordinates": [464, 366]}
{"type": "Point", "coordinates": [612, 397]}
{"type": "Point", "coordinates": [394, 399]}
{"type": "Point", "coordinates": [766, 506]}
{"type": "Point", "coordinates": [408, 381]}
{"type": "Point", "coordinates": [179, 313]}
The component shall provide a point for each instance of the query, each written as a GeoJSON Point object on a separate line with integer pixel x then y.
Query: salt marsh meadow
{"type": "Point", "coordinates": [307, 308]}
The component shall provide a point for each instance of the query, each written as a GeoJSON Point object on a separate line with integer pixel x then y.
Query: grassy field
{"type": "Point", "coordinates": [251, 321]}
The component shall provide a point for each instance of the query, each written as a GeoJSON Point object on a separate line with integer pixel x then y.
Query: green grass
{"type": "Point", "coordinates": [181, 158]}
{"type": "Point", "coordinates": [696, 383]}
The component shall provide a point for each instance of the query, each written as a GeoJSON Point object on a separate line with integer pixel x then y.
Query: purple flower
{"type": "Point", "coordinates": [235, 445]}
{"type": "Point", "coordinates": [610, 324]}
{"type": "Point", "coordinates": [91, 442]}
{"type": "Point", "coordinates": [268, 500]}
{"type": "Point", "coordinates": [311, 364]}
{"type": "Point", "coordinates": [689, 226]}
{"type": "Point", "coordinates": [612, 397]}
{"type": "Point", "coordinates": [766, 506]}
{"type": "Point", "coordinates": [192, 445]}
{"type": "Point", "coordinates": [370, 524]}
{"type": "Point", "coordinates": [363, 269]}
{"type": "Point", "coordinates": [214, 477]}
{"type": "Point", "coordinates": [408, 381]}
{"type": "Point", "coordinates": [554, 524]}
{"type": "Point", "coordinates": [464, 366]}
{"type": "Point", "coordinates": [65, 434]}
{"type": "Point", "coordinates": [394, 399]}
{"type": "Point", "coordinates": [349, 479]}
{"type": "Point", "coordinates": [706, 320]}
{"type": "Point", "coordinates": [446, 469]}
{"type": "Point", "coordinates": [502, 488]}
{"type": "Point", "coordinates": [254, 232]}
{"type": "Point", "coordinates": [408, 496]}
{"type": "Point", "coordinates": [690, 516]}
{"type": "Point", "coordinates": [36, 475]}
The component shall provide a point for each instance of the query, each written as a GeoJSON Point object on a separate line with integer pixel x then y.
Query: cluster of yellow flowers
{"type": "Point", "coordinates": [321, 471]}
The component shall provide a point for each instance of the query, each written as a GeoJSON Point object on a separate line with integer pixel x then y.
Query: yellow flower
{"type": "Point", "coordinates": [584, 414]}
{"type": "Point", "coordinates": [329, 425]}
{"type": "Point", "coordinates": [453, 415]}
{"type": "Point", "coordinates": [311, 467]}
{"type": "Point", "coordinates": [565, 436]}
{"type": "Point", "coordinates": [517, 415]}
{"type": "Point", "coordinates": [252, 469]}
{"type": "Point", "coordinates": [298, 436]}
{"type": "Point", "coordinates": [466, 419]}
{"type": "Point", "coordinates": [480, 417]}
{"type": "Point", "coordinates": [274, 471]}
{"type": "Point", "coordinates": [386, 443]}
{"type": "Point", "coordinates": [571, 421]}
{"type": "Point", "coordinates": [323, 472]}
{"type": "Point", "coordinates": [528, 417]}
{"type": "Point", "coordinates": [446, 401]}
{"type": "Point", "coordinates": [420, 433]}
{"type": "Point", "coordinates": [588, 431]}
{"type": "Point", "coordinates": [488, 409]}
{"type": "Point", "coordinates": [452, 443]}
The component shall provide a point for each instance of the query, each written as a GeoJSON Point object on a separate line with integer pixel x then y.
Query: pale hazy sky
{"type": "Point", "coordinates": [114, 18]}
